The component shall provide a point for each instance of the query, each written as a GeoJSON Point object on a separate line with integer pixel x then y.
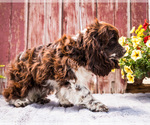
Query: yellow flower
{"type": "Point", "coordinates": [113, 70]}
{"type": "Point", "coordinates": [136, 54]}
{"type": "Point", "coordinates": [127, 50]}
{"type": "Point", "coordinates": [129, 44]}
{"type": "Point", "coordinates": [139, 39]}
{"type": "Point", "coordinates": [2, 65]}
{"type": "Point", "coordinates": [148, 43]}
{"type": "Point", "coordinates": [124, 59]}
{"type": "Point", "coordinates": [133, 38]}
{"type": "Point", "coordinates": [135, 45]}
{"type": "Point", "coordinates": [140, 33]}
{"type": "Point", "coordinates": [132, 30]}
{"type": "Point", "coordinates": [130, 60]}
{"type": "Point", "coordinates": [136, 40]}
{"type": "Point", "coordinates": [122, 40]}
{"type": "Point", "coordinates": [130, 78]}
{"type": "Point", "coordinates": [140, 26]}
{"type": "Point", "coordinates": [122, 74]}
{"type": "Point", "coordinates": [127, 69]}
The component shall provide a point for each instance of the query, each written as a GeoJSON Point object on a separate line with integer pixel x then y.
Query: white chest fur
{"type": "Point", "coordinates": [84, 76]}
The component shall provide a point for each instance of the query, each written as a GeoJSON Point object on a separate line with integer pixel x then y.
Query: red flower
{"type": "Point", "coordinates": [146, 38]}
{"type": "Point", "coordinates": [145, 24]}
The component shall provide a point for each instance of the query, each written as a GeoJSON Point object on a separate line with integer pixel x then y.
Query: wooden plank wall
{"type": "Point", "coordinates": [29, 23]}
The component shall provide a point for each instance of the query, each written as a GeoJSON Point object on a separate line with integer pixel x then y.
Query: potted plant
{"type": "Point", "coordinates": [135, 65]}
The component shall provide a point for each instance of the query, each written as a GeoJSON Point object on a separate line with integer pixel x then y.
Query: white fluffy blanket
{"type": "Point", "coordinates": [124, 109]}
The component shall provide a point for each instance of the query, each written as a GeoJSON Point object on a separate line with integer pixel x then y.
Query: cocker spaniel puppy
{"type": "Point", "coordinates": [65, 66]}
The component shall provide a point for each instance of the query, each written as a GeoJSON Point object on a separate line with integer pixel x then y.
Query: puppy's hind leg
{"type": "Point", "coordinates": [62, 100]}
{"type": "Point", "coordinates": [80, 95]}
{"type": "Point", "coordinates": [35, 95]}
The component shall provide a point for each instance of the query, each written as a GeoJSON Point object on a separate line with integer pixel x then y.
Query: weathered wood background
{"type": "Point", "coordinates": [29, 23]}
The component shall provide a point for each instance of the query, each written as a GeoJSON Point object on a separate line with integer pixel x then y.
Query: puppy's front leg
{"type": "Point", "coordinates": [80, 95]}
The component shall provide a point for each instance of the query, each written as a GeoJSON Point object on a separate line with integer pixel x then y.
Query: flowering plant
{"type": "Point", "coordinates": [136, 62]}
{"type": "Point", "coordinates": [2, 77]}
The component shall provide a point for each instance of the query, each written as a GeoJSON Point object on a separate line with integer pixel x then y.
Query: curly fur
{"type": "Point", "coordinates": [59, 60]}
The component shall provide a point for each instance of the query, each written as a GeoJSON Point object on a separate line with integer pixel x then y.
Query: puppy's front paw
{"type": "Point", "coordinates": [97, 107]}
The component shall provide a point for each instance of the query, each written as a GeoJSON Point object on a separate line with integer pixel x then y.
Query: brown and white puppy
{"type": "Point", "coordinates": [65, 66]}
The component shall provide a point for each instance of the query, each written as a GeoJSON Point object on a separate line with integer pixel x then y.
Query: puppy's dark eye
{"type": "Point", "coordinates": [111, 43]}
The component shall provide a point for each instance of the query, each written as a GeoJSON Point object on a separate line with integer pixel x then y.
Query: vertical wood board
{"type": "Point", "coordinates": [53, 21]}
{"type": "Point", "coordinates": [88, 12]}
{"type": "Point", "coordinates": [70, 17]}
{"type": "Point", "coordinates": [105, 11]}
{"type": "Point", "coordinates": [139, 12]}
{"type": "Point", "coordinates": [5, 31]}
{"type": "Point", "coordinates": [5, 38]}
{"type": "Point", "coordinates": [36, 24]}
{"type": "Point", "coordinates": [121, 24]}
{"type": "Point", "coordinates": [18, 31]}
{"type": "Point", "coordinates": [121, 18]}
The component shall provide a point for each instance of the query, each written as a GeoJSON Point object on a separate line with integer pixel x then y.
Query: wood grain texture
{"type": "Point", "coordinates": [36, 24]}
{"type": "Point", "coordinates": [53, 21]}
{"type": "Point", "coordinates": [70, 17]}
{"type": "Point", "coordinates": [88, 12]}
{"type": "Point", "coordinates": [103, 85]}
{"type": "Point", "coordinates": [5, 31]}
{"type": "Point", "coordinates": [105, 11]}
{"type": "Point", "coordinates": [121, 24]}
{"type": "Point", "coordinates": [5, 38]}
{"type": "Point", "coordinates": [111, 82]}
{"type": "Point", "coordinates": [106, 84]}
{"type": "Point", "coordinates": [121, 18]}
{"type": "Point", "coordinates": [18, 31]}
{"type": "Point", "coordinates": [143, 88]}
{"type": "Point", "coordinates": [117, 80]}
{"type": "Point", "coordinates": [139, 12]}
